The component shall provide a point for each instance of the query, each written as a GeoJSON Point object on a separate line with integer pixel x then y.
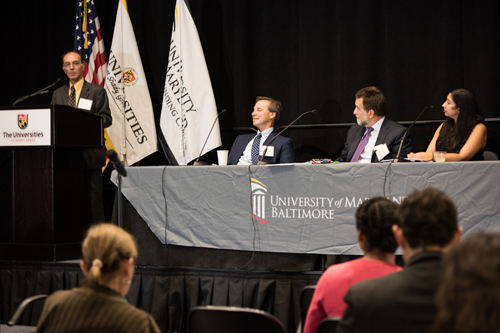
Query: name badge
{"type": "Point", "coordinates": [85, 104]}
{"type": "Point", "coordinates": [381, 151]}
{"type": "Point", "coordinates": [269, 152]}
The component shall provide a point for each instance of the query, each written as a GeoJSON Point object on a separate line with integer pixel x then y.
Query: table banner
{"type": "Point", "coordinates": [296, 208]}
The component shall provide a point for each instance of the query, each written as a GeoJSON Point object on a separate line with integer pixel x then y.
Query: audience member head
{"type": "Point", "coordinates": [427, 221]}
{"type": "Point", "coordinates": [373, 99]}
{"type": "Point", "coordinates": [374, 220]}
{"type": "Point", "coordinates": [108, 257]}
{"type": "Point", "coordinates": [468, 299]}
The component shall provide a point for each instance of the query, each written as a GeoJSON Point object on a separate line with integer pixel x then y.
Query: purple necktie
{"type": "Point", "coordinates": [361, 146]}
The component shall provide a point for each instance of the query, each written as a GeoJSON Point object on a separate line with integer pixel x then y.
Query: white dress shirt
{"type": "Point", "coordinates": [366, 155]}
{"type": "Point", "coordinates": [246, 157]}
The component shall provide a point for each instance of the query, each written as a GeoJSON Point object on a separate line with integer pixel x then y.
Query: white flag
{"type": "Point", "coordinates": [133, 133]}
{"type": "Point", "coordinates": [188, 109]}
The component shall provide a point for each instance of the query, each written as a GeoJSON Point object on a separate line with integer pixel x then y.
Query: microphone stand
{"type": "Point", "coordinates": [261, 161]}
{"type": "Point", "coordinates": [119, 201]}
{"type": "Point", "coordinates": [399, 159]}
{"type": "Point", "coordinates": [120, 170]}
{"type": "Point", "coordinates": [39, 92]}
{"type": "Point", "coordinates": [198, 162]}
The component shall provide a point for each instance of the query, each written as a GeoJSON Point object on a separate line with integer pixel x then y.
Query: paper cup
{"type": "Point", "coordinates": [222, 156]}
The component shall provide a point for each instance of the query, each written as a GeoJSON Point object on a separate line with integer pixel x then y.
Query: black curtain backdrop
{"type": "Point", "coordinates": [308, 54]}
{"type": "Point", "coordinates": [168, 294]}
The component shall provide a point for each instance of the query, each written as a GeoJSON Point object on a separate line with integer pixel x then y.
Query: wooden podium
{"type": "Point", "coordinates": [48, 220]}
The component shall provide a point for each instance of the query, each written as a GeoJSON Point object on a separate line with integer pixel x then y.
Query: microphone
{"type": "Point", "coordinates": [198, 162]}
{"type": "Point", "coordinates": [117, 164]}
{"type": "Point", "coordinates": [261, 161]}
{"type": "Point", "coordinates": [402, 159]}
{"type": "Point", "coordinates": [39, 92]}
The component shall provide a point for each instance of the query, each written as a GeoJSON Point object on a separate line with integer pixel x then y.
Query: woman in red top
{"type": "Point", "coordinates": [374, 220]}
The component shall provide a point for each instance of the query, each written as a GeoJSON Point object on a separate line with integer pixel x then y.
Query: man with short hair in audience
{"type": "Point", "coordinates": [405, 301]}
{"type": "Point", "coordinates": [374, 220]}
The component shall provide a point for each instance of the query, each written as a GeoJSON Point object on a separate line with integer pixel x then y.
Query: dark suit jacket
{"type": "Point", "coordinates": [94, 158]}
{"type": "Point", "coordinates": [399, 302]}
{"type": "Point", "coordinates": [390, 133]}
{"type": "Point", "coordinates": [283, 149]}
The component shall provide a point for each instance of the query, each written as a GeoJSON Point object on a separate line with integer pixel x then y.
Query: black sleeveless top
{"type": "Point", "coordinates": [440, 147]}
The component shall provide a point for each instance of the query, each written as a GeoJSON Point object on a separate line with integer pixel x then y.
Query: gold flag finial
{"type": "Point", "coordinates": [84, 25]}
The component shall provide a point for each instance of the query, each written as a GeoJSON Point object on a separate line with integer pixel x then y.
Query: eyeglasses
{"type": "Point", "coordinates": [74, 63]}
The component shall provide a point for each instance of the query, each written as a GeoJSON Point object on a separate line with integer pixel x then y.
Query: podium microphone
{"type": "Point", "coordinates": [198, 162]}
{"type": "Point", "coordinates": [117, 164]}
{"type": "Point", "coordinates": [39, 92]}
{"type": "Point", "coordinates": [402, 159]}
{"type": "Point", "coordinates": [261, 161]}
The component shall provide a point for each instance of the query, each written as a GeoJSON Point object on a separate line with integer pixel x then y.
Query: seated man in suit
{"type": "Point", "coordinates": [374, 137]}
{"type": "Point", "coordinates": [246, 148]}
{"type": "Point", "coordinates": [405, 301]}
{"type": "Point", "coordinates": [91, 98]}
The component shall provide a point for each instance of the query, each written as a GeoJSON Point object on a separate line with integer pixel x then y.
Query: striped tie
{"type": "Point", "coordinates": [255, 149]}
{"type": "Point", "coordinates": [361, 146]}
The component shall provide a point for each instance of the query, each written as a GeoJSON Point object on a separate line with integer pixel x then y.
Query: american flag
{"type": "Point", "coordinates": [89, 43]}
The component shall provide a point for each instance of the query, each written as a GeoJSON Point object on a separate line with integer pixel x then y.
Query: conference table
{"type": "Point", "coordinates": [296, 208]}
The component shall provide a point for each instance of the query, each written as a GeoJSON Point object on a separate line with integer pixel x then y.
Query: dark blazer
{"type": "Point", "coordinates": [399, 302]}
{"type": "Point", "coordinates": [94, 158]}
{"type": "Point", "coordinates": [283, 149]}
{"type": "Point", "coordinates": [390, 133]}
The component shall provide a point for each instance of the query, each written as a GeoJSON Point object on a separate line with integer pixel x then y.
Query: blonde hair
{"type": "Point", "coordinates": [104, 249]}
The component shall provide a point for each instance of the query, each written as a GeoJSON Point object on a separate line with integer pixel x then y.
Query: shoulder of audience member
{"type": "Point", "coordinates": [377, 284]}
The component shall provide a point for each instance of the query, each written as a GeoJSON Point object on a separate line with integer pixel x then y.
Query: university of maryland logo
{"type": "Point", "coordinates": [22, 121]}
{"type": "Point", "coordinates": [130, 76]}
{"type": "Point", "coordinates": [259, 192]}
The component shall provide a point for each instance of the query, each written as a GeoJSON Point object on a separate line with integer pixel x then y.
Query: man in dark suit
{"type": "Point", "coordinates": [405, 301]}
{"type": "Point", "coordinates": [248, 148]}
{"type": "Point", "coordinates": [91, 98]}
{"type": "Point", "coordinates": [374, 137]}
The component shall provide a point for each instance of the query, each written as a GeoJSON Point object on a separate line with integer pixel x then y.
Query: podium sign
{"type": "Point", "coordinates": [25, 127]}
{"type": "Point", "coordinates": [45, 148]}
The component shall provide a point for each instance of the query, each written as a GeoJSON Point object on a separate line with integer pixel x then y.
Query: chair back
{"type": "Point", "coordinates": [18, 315]}
{"type": "Point", "coordinates": [489, 155]}
{"type": "Point", "coordinates": [228, 319]}
{"type": "Point", "coordinates": [306, 296]}
{"type": "Point", "coordinates": [328, 325]}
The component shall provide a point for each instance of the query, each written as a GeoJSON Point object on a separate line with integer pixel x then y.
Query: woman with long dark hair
{"type": "Point", "coordinates": [463, 135]}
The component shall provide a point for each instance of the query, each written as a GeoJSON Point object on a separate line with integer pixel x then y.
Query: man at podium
{"type": "Point", "coordinates": [90, 97]}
